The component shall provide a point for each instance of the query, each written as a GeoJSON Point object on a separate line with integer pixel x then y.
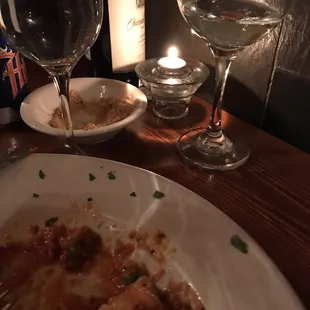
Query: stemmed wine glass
{"type": "Point", "coordinates": [54, 34]}
{"type": "Point", "coordinates": [227, 26]}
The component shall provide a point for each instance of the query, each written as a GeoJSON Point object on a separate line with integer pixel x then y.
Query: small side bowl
{"type": "Point", "coordinates": [37, 108]}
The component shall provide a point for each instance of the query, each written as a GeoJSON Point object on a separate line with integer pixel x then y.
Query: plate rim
{"type": "Point", "coordinates": [285, 283]}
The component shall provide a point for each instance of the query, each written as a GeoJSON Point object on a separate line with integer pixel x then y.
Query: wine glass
{"type": "Point", "coordinates": [227, 26]}
{"type": "Point", "coordinates": [54, 34]}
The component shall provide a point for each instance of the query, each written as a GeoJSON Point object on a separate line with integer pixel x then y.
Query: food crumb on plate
{"type": "Point", "coordinates": [93, 114]}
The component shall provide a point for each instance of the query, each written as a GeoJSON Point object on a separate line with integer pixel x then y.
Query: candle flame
{"type": "Point", "coordinates": [173, 52]}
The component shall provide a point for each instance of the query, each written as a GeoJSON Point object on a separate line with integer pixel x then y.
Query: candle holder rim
{"type": "Point", "coordinates": [186, 59]}
{"type": "Point", "coordinates": [172, 85]}
{"type": "Point", "coordinates": [155, 59]}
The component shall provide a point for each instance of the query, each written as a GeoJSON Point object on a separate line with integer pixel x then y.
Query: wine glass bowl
{"type": "Point", "coordinates": [230, 25]}
{"type": "Point", "coordinates": [54, 34]}
{"type": "Point", "coordinates": [50, 34]}
{"type": "Point", "coordinates": [227, 27]}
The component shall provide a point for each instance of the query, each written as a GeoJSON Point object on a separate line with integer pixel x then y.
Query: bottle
{"type": "Point", "coordinates": [121, 42]}
{"type": "Point", "coordinates": [13, 82]}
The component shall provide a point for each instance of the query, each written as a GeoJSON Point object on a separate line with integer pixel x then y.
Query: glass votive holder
{"type": "Point", "coordinates": [172, 82]}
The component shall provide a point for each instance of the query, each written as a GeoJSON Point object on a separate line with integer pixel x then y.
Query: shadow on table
{"type": "Point", "coordinates": [197, 114]}
{"type": "Point", "coordinates": [137, 148]}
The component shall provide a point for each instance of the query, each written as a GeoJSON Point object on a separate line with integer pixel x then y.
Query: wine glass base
{"type": "Point", "coordinates": [226, 155]}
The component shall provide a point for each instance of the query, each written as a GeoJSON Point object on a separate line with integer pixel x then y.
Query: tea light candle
{"type": "Point", "coordinates": [172, 82]}
{"type": "Point", "coordinates": [172, 61]}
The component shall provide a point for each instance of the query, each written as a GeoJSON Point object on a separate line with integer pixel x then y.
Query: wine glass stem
{"type": "Point", "coordinates": [61, 82]}
{"type": "Point", "coordinates": [222, 66]}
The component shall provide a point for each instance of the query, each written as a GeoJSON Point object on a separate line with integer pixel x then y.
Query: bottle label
{"type": "Point", "coordinates": [13, 72]}
{"type": "Point", "coordinates": [13, 80]}
{"type": "Point", "coordinates": [127, 32]}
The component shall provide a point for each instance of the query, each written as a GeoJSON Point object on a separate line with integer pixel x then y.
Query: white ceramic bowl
{"type": "Point", "coordinates": [38, 107]}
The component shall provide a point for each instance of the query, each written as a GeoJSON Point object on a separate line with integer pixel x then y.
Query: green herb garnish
{"type": "Point", "coordinates": [132, 277]}
{"type": "Point", "coordinates": [111, 175]}
{"type": "Point", "coordinates": [90, 199]}
{"type": "Point", "coordinates": [239, 244]}
{"type": "Point", "coordinates": [51, 221]}
{"type": "Point", "coordinates": [158, 195]}
{"type": "Point", "coordinates": [133, 194]}
{"type": "Point", "coordinates": [34, 195]}
{"type": "Point", "coordinates": [41, 175]}
{"type": "Point", "coordinates": [91, 177]}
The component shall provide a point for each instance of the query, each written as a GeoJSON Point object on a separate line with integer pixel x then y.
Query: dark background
{"type": "Point", "coordinates": [269, 83]}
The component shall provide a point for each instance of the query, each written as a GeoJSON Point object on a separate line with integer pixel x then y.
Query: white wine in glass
{"type": "Point", "coordinates": [55, 34]}
{"type": "Point", "coordinates": [227, 26]}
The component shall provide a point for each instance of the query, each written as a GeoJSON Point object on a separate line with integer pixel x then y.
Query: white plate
{"type": "Point", "coordinates": [224, 277]}
{"type": "Point", "coordinates": [37, 109]}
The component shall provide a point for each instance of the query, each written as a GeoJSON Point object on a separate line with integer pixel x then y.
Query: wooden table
{"type": "Point", "coordinates": [269, 196]}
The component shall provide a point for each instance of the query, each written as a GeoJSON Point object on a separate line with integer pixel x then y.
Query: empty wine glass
{"type": "Point", "coordinates": [227, 26]}
{"type": "Point", "coordinates": [54, 34]}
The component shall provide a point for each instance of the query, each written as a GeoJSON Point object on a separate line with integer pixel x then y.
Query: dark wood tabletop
{"type": "Point", "coordinates": [269, 196]}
